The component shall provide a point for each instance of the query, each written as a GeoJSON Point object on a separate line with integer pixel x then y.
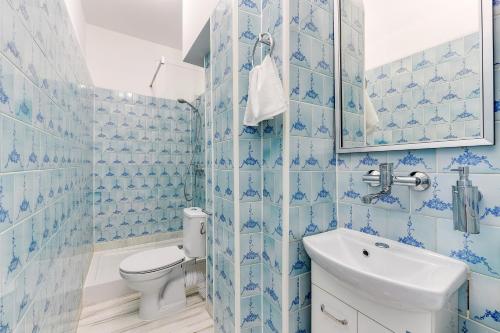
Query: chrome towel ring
{"type": "Point", "coordinates": [264, 38]}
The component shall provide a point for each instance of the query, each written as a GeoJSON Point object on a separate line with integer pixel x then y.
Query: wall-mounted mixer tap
{"type": "Point", "coordinates": [385, 179]}
{"type": "Point", "coordinates": [466, 203]}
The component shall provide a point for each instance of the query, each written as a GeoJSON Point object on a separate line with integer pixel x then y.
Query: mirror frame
{"type": "Point", "coordinates": [487, 83]}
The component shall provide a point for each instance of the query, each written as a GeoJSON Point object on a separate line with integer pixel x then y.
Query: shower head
{"type": "Point", "coordinates": [183, 101]}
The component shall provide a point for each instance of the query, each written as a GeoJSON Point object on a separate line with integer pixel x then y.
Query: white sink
{"type": "Point", "coordinates": [400, 276]}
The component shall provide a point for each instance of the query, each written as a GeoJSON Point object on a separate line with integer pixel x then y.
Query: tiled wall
{"type": "Point", "coordinates": [209, 188]}
{"type": "Point", "coordinates": [312, 198]}
{"type": "Point", "coordinates": [272, 206]}
{"type": "Point", "coordinates": [142, 146]}
{"type": "Point", "coordinates": [250, 176]}
{"type": "Point", "coordinates": [283, 293]}
{"type": "Point", "coordinates": [45, 168]}
{"type": "Point", "coordinates": [431, 95]}
{"type": "Point", "coordinates": [222, 44]}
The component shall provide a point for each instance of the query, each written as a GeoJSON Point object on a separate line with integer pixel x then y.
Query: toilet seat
{"type": "Point", "coordinates": [151, 261]}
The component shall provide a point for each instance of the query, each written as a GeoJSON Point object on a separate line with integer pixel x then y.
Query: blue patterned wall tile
{"type": "Point", "coordinates": [437, 200]}
{"type": "Point", "coordinates": [350, 187]}
{"type": "Point", "coordinates": [301, 119]}
{"type": "Point", "coordinates": [413, 160]}
{"type": "Point", "coordinates": [478, 251]}
{"type": "Point", "coordinates": [250, 218]}
{"type": "Point", "coordinates": [414, 230]}
{"type": "Point", "coordinates": [488, 206]}
{"type": "Point", "coordinates": [469, 326]}
{"type": "Point", "coordinates": [272, 317]}
{"type": "Point", "coordinates": [251, 280]}
{"type": "Point", "coordinates": [300, 321]}
{"type": "Point", "coordinates": [372, 221]}
{"type": "Point", "coordinates": [367, 161]}
{"type": "Point", "coordinates": [322, 57]}
{"type": "Point", "coordinates": [272, 254]}
{"type": "Point", "coordinates": [311, 20]}
{"type": "Point", "coordinates": [479, 159]}
{"type": "Point", "coordinates": [251, 312]}
{"type": "Point", "coordinates": [300, 188]}
{"type": "Point", "coordinates": [300, 50]}
{"type": "Point", "coordinates": [248, 27]}
{"type": "Point", "coordinates": [299, 260]}
{"type": "Point", "coordinates": [250, 186]}
{"type": "Point", "coordinates": [273, 221]}
{"type": "Point", "coordinates": [311, 89]}
{"type": "Point", "coordinates": [322, 123]}
{"type": "Point", "coordinates": [250, 249]}
{"type": "Point", "coordinates": [485, 300]}
{"type": "Point", "coordinates": [323, 185]}
{"type": "Point", "coordinates": [398, 199]}
{"type": "Point", "coordinates": [7, 206]}
{"type": "Point", "coordinates": [250, 155]}
{"type": "Point", "coordinates": [272, 287]}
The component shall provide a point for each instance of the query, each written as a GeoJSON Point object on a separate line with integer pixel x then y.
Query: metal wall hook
{"type": "Point", "coordinates": [264, 38]}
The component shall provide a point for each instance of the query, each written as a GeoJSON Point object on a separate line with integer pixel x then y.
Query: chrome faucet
{"type": "Point", "coordinates": [385, 179]}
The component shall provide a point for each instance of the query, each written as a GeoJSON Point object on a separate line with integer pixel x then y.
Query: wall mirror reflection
{"type": "Point", "coordinates": [413, 74]}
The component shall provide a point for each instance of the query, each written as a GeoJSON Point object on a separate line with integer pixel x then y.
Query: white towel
{"type": "Point", "coordinates": [371, 117]}
{"type": "Point", "coordinates": [266, 97]}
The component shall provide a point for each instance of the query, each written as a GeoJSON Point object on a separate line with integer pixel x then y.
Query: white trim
{"type": "Point", "coordinates": [212, 208]}
{"type": "Point", "coordinates": [286, 171]}
{"type": "Point", "coordinates": [236, 169]}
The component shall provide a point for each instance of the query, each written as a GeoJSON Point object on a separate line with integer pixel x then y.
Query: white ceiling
{"type": "Point", "coordinates": [159, 21]}
{"type": "Point", "coordinates": [395, 29]}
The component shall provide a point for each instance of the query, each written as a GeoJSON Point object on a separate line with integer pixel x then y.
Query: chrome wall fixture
{"type": "Point", "coordinates": [385, 179]}
{"type": "Point", "coordinates": [161, 63]}
{"type": "Point", "coordinates": [264, 38]}
{"type": "Point", "coordinates": [466, 198]}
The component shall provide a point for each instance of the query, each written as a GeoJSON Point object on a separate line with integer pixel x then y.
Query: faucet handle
{"type": "Point", "coordinates": [386, 166]}
{"type": "Point", "coordinates": [463, 172]}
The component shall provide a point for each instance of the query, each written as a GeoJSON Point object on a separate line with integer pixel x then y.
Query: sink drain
{"type": "Point", "coordinates": [366, 253]}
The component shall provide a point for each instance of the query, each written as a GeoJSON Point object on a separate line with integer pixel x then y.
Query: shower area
{"type": "Point", "coordinates": [148, 165]}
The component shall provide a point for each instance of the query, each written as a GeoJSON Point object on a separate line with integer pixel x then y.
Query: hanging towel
{"type": "Point", "coordinates": [266, 98]}
{"type": "Point", "coordinates": [371, 117]}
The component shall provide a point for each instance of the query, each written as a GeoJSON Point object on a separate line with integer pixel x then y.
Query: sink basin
{"type": "Point", "coordinates": [399, 275]}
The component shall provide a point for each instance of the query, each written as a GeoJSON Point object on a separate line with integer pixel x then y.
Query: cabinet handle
{"type": "Point", "coordinates": [343, 322]}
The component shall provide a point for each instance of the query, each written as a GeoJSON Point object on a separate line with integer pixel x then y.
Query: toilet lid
{"type": "Point", "coordinates": [152, 260]}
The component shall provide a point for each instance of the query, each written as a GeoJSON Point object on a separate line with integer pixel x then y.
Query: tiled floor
{"type": "Point", "coordinates": [120, 315]}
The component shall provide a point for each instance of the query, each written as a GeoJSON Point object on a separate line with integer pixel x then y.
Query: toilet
{"type": "Point", "coordinates": [159, 274]}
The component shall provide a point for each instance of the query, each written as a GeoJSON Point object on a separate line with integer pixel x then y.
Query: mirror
{"type": "Point", "coordinates": [413, 74]}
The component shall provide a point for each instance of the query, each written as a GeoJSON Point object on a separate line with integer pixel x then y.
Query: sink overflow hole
{"type": "Point", "coordinates": [366, 253]}
{"type": "Point", "coordinates": [382, 245]}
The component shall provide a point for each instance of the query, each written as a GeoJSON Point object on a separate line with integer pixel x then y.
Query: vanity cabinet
{"type": "Point", "coordinates": [339, 308]}
{"type": "Point", "coordinates": [331, 315]}
{"type": "Point", "coordinates": [366, 325]}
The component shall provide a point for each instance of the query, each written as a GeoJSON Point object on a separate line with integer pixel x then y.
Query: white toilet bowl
{"type": "Point", "coordinates": [159, 276]}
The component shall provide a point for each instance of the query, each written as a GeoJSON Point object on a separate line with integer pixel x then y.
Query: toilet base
{"type": "Point", "coordinates": [171, 297]}
{"type": "Point", "coordinates": [149, 311]}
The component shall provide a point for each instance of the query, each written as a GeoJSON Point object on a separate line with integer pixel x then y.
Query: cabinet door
{"type": "Point", "coordinates": [331, 315]}
{"type": "Point", "coordinates": [366, 325]}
